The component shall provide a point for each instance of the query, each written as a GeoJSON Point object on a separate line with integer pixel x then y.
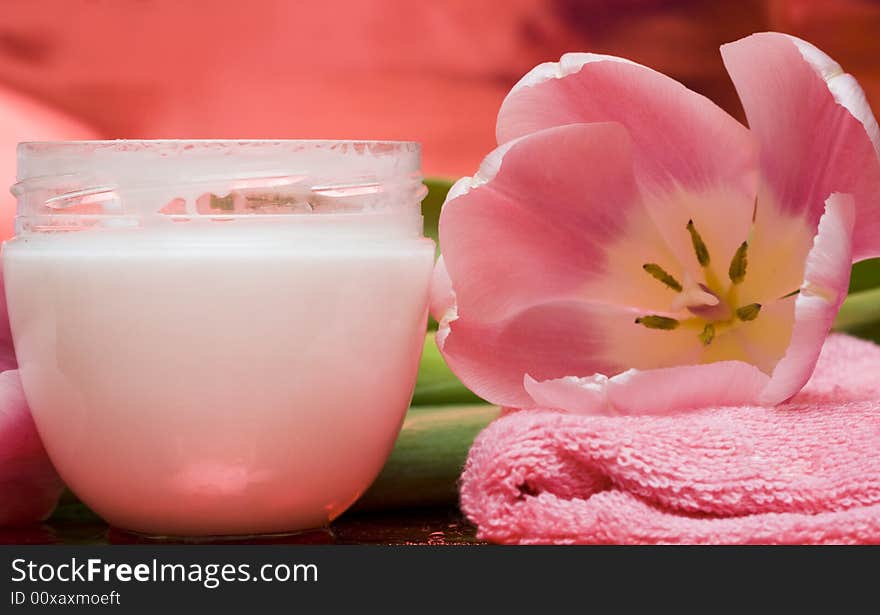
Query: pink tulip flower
{"type": "Point", "coordinates": [631, 248]}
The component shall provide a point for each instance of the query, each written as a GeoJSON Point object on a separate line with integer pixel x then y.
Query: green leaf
{"type": "Point", "coordinates": [860, 315]}
{"type": "Point", "coordinates": [865, 275]}
{"type": "Point", "coordinates": [438, 188]}
{"type": "Point", "coordinates": [428, 457]}
{"type": "Point", "coordinates": [71, 509]}
{"type": "Point", "coordinates": [436, 384]}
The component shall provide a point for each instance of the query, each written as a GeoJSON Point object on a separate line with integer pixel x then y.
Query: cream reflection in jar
{"type": "Point", "coordinates": [218, 337]}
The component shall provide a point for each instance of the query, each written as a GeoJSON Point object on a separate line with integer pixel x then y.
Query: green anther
{"type": "Point", "coordinates": [791, 294]}
{"type": "Point", "coordinates": [226, 203]}
{"type": "Point", "coordinates": [700, 248]}
{"type": "Point", "coordinates": [708, 334]}
{"type": "Point", "coordinates": [657, 322]}
{"type": "Point", "coordinates": [660, 274]}
{"type": "Point", "coordinates": [748, 312]}
{"type": "Point", "coordinates": [738, 263]}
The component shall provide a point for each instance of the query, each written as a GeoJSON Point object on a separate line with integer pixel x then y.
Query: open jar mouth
{"type": "Point", "coordinates": [66, 186]}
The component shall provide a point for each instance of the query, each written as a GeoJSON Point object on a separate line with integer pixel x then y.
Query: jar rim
{"type": "Point", "coordinates": [73, 184]}
{"type": "Point", "coordinates": [136, 160]}
{"type": "Point", "coordinates": [159, 143]}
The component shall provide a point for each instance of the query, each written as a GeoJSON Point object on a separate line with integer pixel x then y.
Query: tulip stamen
{"type": "Point", "coordinates": [748, 312]}
{"type": "Point", "coordinates": [738, 264]}
{"type": "Point", "coordinates": [713, 308]}
{"type": "Point", "coordinates": [708, 334]}
{"type": "Point", "coordinates": [700, 248]}
{"type": "Point", "coordinates": [657, 322]}
{"type": "Point", "coordinates": [659, 273]}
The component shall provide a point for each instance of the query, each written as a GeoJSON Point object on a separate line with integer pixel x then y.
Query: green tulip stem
{"type": "Point", "coordinates": [428, 458]}
{"type": "Point", "coordinates": [859, 309]}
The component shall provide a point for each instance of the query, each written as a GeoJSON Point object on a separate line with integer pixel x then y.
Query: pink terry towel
{"type": "Point", "coordinates": [807, 471]}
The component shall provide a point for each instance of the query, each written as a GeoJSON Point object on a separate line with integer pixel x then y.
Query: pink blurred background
{"type": "Point", "coordinates": [434, 71]}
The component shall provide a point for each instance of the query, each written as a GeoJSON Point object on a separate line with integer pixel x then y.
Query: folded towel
{"type": "Point", "coordinates": [807, 471]}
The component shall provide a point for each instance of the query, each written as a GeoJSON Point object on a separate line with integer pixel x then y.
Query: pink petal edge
{"type": "Point", "coordinates": [654, 391]}
{"type": "Point", "coordinates": [531, 226]}
{"type": "Point", "coordinates": [442, 295]}
{"type": "Point", "coordinates": [826, 281]}
{"type": "Point", "coordinates": [547, 340]}
{"type": "Point", "coordinates": [681, 139]}
{"type": "Point", "coordinates": [817, 132]}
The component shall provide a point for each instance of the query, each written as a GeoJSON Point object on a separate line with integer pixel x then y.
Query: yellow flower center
{"type": "Point", "coordinates": [714, 306]}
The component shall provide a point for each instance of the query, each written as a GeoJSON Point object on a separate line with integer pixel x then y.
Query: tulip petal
{"type": "Point", "coordinates": [553, 340]}
{"type": "Point", "coordinates": [826, 279]}
{"type": "Point", "coordinates": [816, 130]}
{"type": "Point", "coordinates": [533, 226]}
{"type": "Point", "coordinates": [572, 394]}
{"type": "Point", "coordinates": [29, 485]}
{"type": "Point", "coordinates": [655, 391]}
{"type": "Point", "coordinates": [681, 140]}
{"type": "Point", "coordinates": [547, 340]}
{"type": "Point", "coordinates": [692, 160]}
{"type": "Point", "coordinates": [442, 295]}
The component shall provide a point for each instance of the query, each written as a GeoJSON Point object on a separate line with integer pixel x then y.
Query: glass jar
{"type": "Point", "coordinates": [218, 337]}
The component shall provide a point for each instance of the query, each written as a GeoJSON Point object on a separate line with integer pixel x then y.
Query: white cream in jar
{"type": "Point", "coordinates": [217, 337]}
